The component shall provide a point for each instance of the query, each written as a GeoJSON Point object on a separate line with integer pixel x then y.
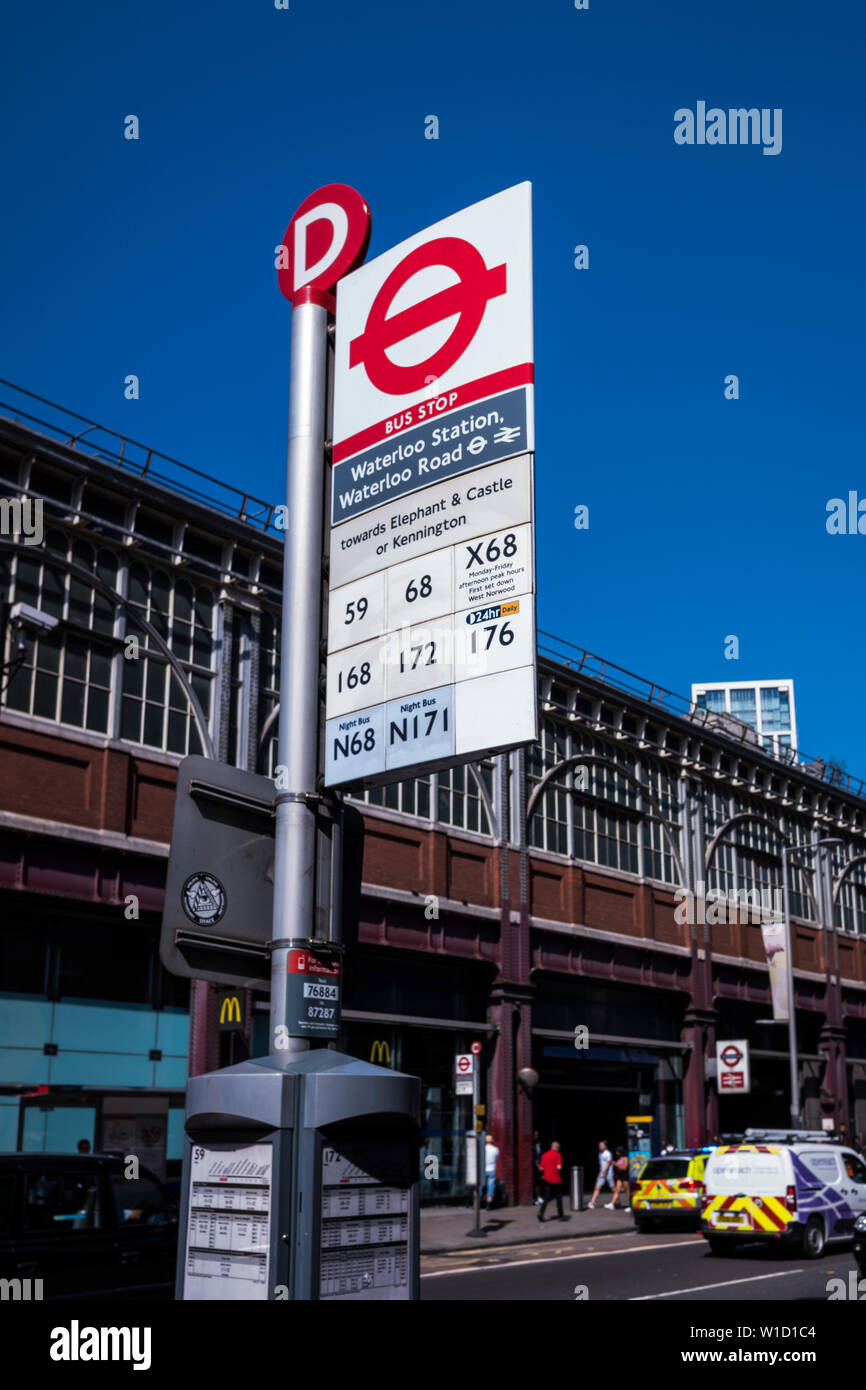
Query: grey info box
{"type": "Point", "coordinates": [471, 437]}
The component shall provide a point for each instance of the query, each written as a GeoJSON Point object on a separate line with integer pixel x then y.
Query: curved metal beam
{"type": "Point", "coordinates": [87, 576]}
{"type": "Point", "coordinates": [541, 787]}
{"type": "Point", "coordinates": [738, 819]}
{"type": "Point", "coordinates": [858, 859]}
{"type": "Point", "coordinates": [492, 818]}
{"type": "Point", "coordinates": [271, 720]}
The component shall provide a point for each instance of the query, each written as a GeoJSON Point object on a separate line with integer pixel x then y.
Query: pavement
{"type": "Point", "coordinates": [448, 1228]}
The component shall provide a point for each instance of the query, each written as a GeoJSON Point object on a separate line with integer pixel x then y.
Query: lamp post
{"type": "Point", "coordinates": [789, 972]}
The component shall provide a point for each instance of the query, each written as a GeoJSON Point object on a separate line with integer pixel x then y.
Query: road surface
{"type": "Point", "coordinates": [664, 1267]}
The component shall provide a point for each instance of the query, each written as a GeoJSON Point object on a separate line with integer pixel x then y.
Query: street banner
{"type": "Point", "coordinates": [775, 941]}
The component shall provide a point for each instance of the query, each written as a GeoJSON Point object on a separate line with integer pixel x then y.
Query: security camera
{"type": "Point", "coordinates": [24, 615]}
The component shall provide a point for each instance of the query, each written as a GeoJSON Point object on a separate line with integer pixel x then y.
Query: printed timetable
{"type": "Point", "coordinates": [227, 1249]}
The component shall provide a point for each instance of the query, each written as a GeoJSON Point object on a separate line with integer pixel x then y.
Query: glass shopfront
{"type": "Point", "coordinates": [429, 991]}
{"type": "Point", "coordinates": [427, 1053]}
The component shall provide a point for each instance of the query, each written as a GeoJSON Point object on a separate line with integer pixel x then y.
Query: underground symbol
{"type": "Point", "coordinates": [203, 899]}
{"type": "Point", "coordinates": [731, 1056]}
{"type": "Point", "coordinates": [468, 299]}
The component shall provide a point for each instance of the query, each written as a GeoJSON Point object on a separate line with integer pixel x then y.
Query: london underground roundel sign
{"type": "Point", "coordinates": [327, 237]}
{"type": "Point", "coordinates": [732, 1066]}
{"type": "Point", "coordinates": [434, 326]}
{"type": "Point", "coordinates": [468, 298]}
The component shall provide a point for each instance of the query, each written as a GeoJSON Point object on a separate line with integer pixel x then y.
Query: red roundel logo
{"type": "Point", "coordinates": [327, 237]}
{"type": "Point", "coordinates": [731, 1055]}
{"type": "Point", "coordinates": [476, 286]}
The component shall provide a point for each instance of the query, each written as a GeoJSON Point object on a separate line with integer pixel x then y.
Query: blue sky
{"type": "Point", "coordinates": [707, 516]}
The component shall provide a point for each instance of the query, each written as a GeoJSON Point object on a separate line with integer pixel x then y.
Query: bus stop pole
{"type": "Point", "coordinates": [295, 827]}
{"type": "Point", "coordinates": [479, 1150]}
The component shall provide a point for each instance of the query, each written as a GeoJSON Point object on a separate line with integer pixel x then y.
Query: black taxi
{"type": "Point", "coordinates": [75, 1226]}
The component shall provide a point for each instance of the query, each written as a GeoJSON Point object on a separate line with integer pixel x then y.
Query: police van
{"type": "Point", "coordinates": [669, 1189]}
{"type": "Point", "coordinates": [777, 1185]}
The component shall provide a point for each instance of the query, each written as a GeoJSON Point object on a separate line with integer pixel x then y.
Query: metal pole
{"type": "Point", "coordinates": [792, 1012]}
{"type": "Point", "coordinates": [295, 827]}
{"type": "Point", "coordinates": [479, 1147]}
{"type": "Point", "coordinates": [830, 919]}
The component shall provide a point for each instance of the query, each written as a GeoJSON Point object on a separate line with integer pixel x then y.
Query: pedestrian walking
{"type": "Point", "coordinates": [605, 1172]}
{"type": "Point", "coordinates": [620, 1174]}
{"type": "Point", "coordinates": [491, 1158]}
{"type": "Point", "coordinates": [551, 1170]}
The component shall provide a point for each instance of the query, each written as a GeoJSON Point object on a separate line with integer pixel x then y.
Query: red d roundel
{"type": "Point", "coordinates": [731, 1055]}
{"type": "Point", "coordinates": [468, 299]}
{"type": "Point", "coordinates": [327, 237]}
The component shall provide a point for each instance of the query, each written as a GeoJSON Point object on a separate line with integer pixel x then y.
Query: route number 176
{"type": "Point", "coordinates": [505, 631]}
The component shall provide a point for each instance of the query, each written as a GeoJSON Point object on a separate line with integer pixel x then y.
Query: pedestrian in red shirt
{"type": "Point", "coordinates": [551, 1171]}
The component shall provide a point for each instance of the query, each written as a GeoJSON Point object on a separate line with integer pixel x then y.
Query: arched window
{"type": "Point", "coordinates": [66, 673]}
{"type": "Point", "coordinates": [851, 903]}
{"type": "Point", "coordinates": [154, 707]}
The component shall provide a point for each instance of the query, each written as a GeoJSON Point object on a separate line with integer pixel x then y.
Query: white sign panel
{"type": "Point", "coordinates": [431, 618]}
{"type": "Point", "coordinates": [496, 498]}
{"type": "Point", "coordinates": [464, 1074]}
{"type": "Point", "coordinates": [732, 1067]}
{"type": "Point", "coordinates": [227, 1248]}
{"type": "Point", "coordinates": [471, 1161]}
{"type": "Point", "coordinates": [449, 309]}
{"type": "Point", "coordinates": [464, 1064]}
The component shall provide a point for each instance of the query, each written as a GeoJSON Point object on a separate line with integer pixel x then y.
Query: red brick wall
{"type": "Point", "coordinates": [55, 778]}
{"type": "Point", "coordinates": [78, 784]}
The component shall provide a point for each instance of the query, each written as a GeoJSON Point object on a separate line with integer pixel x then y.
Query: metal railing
{"type": "Point", "coordinates": [580, 661]}
{"type": "Point", "coordinates": [146, 462]}
{"type": "Point", "coordinates": [109, 446]}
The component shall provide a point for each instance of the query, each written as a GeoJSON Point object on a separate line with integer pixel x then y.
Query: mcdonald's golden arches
{"type": "Point", "coordinates": [230, 1010]}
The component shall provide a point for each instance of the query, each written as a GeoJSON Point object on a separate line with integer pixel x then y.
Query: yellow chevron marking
{"type": "Point", "coordinates": [778, 1208]}
{"type": "Point", "coordinates": [662, 1190]}
{"type": "Point", "coordinates": [765, 1217]}
{"type": "Point", "coordinates": [761, 1220]}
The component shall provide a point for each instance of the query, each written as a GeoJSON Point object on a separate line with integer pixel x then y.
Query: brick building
{"type": "Point", "coordinates": [512, 901]}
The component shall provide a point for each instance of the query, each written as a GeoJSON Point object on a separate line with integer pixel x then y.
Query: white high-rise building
{"type": "Point", "coordinates": [768, 706]}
